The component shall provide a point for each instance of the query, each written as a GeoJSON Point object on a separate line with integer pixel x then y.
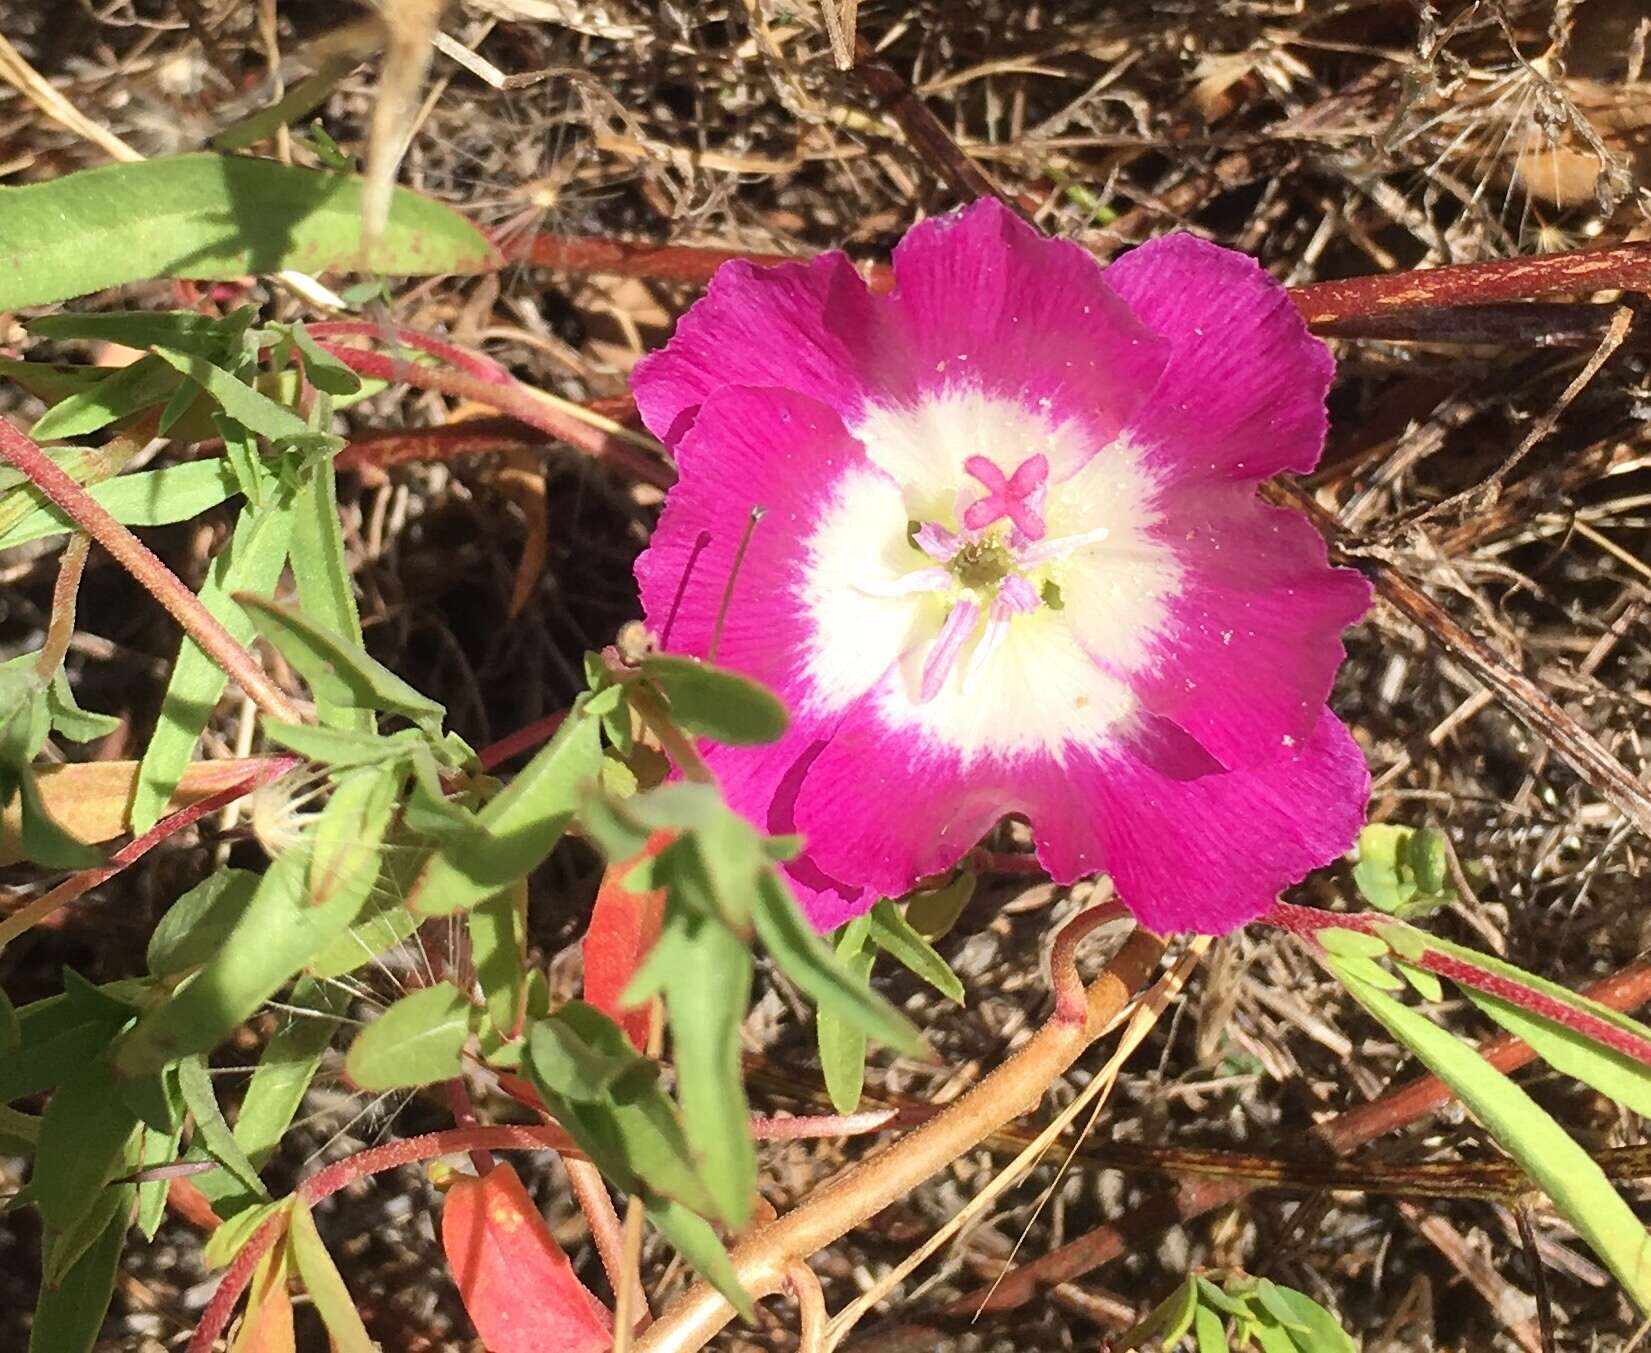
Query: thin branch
{"type": "Point", "coordinates": [141, 562]}
{"type": "Point", "coordinates": [857, 1193]}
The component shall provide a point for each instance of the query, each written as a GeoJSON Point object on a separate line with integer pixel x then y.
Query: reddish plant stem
{"type": "Point", "coordinates": [476, 364]}
{"type": "Point", "coordinates": [1623, 267]}
{"type": "Point", "coordinates": [82, 883]}
{"type": "Point", "coordinates": [325, 1183]}
{"type": "Point", "coordinates": [141, 562]}
{"type": "Point", "coordinates": [1307, 922]}
{"type": "Point", "coordinates": [60, 627]}
{"type": "Point", "coordinates": [1623, 990]}
{"type": "Point", "coordinates": [513, 399]}
{"type": "Point", "coordinates": [1617, 268]}
{"type": "Point", "coordinates": [522, 740]}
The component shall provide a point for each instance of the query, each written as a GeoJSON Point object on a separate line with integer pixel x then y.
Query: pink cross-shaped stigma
{"type": "Point", "coordinates": [1019, 497]}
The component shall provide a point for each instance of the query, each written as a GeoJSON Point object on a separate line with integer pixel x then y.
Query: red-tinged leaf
{"type": "Point", "coordinates": [623, 927]}
{"type": "Point", "coordinates": [268, 1324]}
{"type": "Point", "coordinates": [517, 1284]}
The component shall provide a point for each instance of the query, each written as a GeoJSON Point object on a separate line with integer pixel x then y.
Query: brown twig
{"type": "Point", "coordinates": [1623, 990]}
{"type": "Point", "coordinates": [863, 1189]}
{"type": "Point", "coordinates": [1521, 696]}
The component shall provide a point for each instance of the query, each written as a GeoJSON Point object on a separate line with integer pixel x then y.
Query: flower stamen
{"type": "Point", "coordinates": [948, 646]}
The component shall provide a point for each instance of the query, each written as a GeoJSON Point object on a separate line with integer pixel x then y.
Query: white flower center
{"type": "Point", "coordinates": [997, 595]}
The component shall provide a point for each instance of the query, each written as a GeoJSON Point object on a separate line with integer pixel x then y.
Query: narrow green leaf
{"type": "Point", "coordinates": [255, 412]}
{"type": "Point", "coordinates": [810, 963]}
{"type": "Point", "coordinates": [1562, 1168]}
{"type": "Point", "coordinates": [696, 1242]}
{"type": "Point", "coordinates": [933, 914]}
{"type": "Point", "coordinates": [83, 1135]}
{"type": "Point", "coordinates": [518, 828]}
{"type": "Point", "coordinates": [498, 949]}
{"type": "Point", "coordinates": [321, 368]}
{"type": "Point", "coordinates": [1321, 1331]}
{"type": "Point", "coordinates": [419, 1040]}
{"type": "Point", "coordinates": [706, 995]}
{"type": "Point", "coordinates": [308, 94]}
{"type": "Point", "coordinates": [226, 1241]}
{"type": "Point", "coordinates": [69, 720]}
{"type": "Point", "coordinates": [150, 498]}
{"type": "Point", "coordinates": [287, 1066]}
{"type": "Point", "coordinates": [1207, 1331]}
{"type": "Point", "coordinates": [716, 703]}
{"type": "Point", "coordinates": [211, 1131]}
{"type": "Point", "coordinates": [341, 748]}
{"type": "Point", "coordinates": [843, 1045]}
{"type": "Point", "coordinates": [1615, 1076]}
{"type": "Point", "coordinates": [253, 560]}
{"type": "Point", "coordinates": [196, 925]}
{"type": "Point", "coordinates": [69, 1316]}
{"type": "Point", "coordinates": [121, 392]}
{"type": "Point", "coordinates": [895, 936]}
{"type": "Point", "coordinates": [1345, 943]}
{"type": "Point", "coordinates": [278, 934]}
{"type": "Point", "coordinates": [325, 1286]}
{"type": "Point", "coordinates": [211, 217]}
{"type": "Point", "coordinates": [347, 847]}
{"type": "Point", "coordinates": [185, 329]}
{"type": "Point", "coordinates": [575, 1059]}
{"type": "Point", "coordinates": [336, 669]}
{"type": "Point", "coordinates": [159, 1148]}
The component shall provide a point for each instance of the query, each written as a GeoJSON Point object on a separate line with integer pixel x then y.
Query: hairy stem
{"type": "Point", "coordinates": [857, 1193]}
{"type": "Point", "coordinates": [141, 562]}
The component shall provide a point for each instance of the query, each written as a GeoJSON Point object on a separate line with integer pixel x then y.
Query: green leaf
{"type": "Point", "coordinates": [631, 1130]}
{"type": "Point", "coordinates": [197, 924]}
{"type": "Point", "coordinates": [1562, 1168]}
{"type": "Point", "coordinates": [325, 1286]}
{"type": "Point", "coordinates": [933, 914]}
{"type": "Point", "coordinates": [211, 217]}
{"type": "Point", "coordinates": [305, 96]}
{"type": "Point", "coordinates": [895, 935]}
{"type": "Point", "coordinates": [117, 394]}
{"type": "Point", "coordinates": [287, 1066]}
{"type": "Point", "coordinates": [83, 1136]}
{"type": "Point", "coordinates": [11, 1029]}
{"type": "Point", "coordinates": [1321, 1331]}
{"type": "Point", "coordinates": [159, 1148]}
{"type": "Point", "coordinates": [808, 962]}
{"type": "Point", "coordinates": [706, 994]}
{"type": "Point", "coordinates": [696, 1242]}
{"type": "Point", "coordinates": [336, 669]}
{"type": "Point", "coordinates": [69, 720]}
{"type": "Point", "coordinates": [1403, 871]}
{"type": "Point", "coordinates": [341, 748]}
{"type": "Point", "coordinates": [716, 703]}
{"type": "Point", "coordinates": [152, 498]}
{"type": "Point", "coordinates": [212, 1133]}
{"type": "Point", "coordinates": [44, 842]}
{"type": "Point", "coordinates": [321, 368]}
{"type": "Point", "coordinates": [278, 934]}
{"type": "Point", "coordinates": [498, 950]}
{"type": "Point", "coordinates": [226, 1241]}
{"type": "Point", "coordinates": [257, 413]}
{"type": "Point", "coordinates": [1207, 1331]}
{"type": "Point", "coordinates": [253, 560]}
{"type": "Point", "coordinates": [843, 1045]}
{"type": "Point", "coordinates": [348, 841]}
{"type": "Point", "coordinates": [518, 828]}
{"type": "Point", "coordinates": [419, 1040]}
{"type": "Point", "coordinates": [1614, 1075]}
{"type": "Point", "coordinates": [1426, 985]}
{"type": "Point", "coordinates": [1345, 943]}
{"type": "Point", "coordinates": [69, 1316]}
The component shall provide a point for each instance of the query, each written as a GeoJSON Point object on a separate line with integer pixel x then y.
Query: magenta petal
{"type": "Point", "coordinates": [1210, 853]}
{"type": "Point", "coordinates": [809, 327]}
{"type": "Point", "coordinates": [1253, 641]}
{"type": "Point", "coordinates": [885, 808]}
{"type": "Point", "coordinates": [1242, 395]}
{"type": "Point", "coordinates": [986, 301]}
{"type": "Point", "coordinates": [748, 449]}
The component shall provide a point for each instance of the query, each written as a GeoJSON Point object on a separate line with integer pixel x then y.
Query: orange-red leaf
{"type": "Point", "coordinates": [268, 1324]}
{"type": "Point", "coordinates": [623, 927]}
{"type": "Point", "coordinates": [517, 1285]}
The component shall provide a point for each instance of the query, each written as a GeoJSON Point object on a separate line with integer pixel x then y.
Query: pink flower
{"type": "Point", "coordinates": [1011, 560]}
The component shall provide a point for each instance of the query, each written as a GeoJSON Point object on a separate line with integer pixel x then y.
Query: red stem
{"type": "Point", "coordinates": [141, 562]}
{"type": "Point", "coordinates": [325, 1183]}
{"type": "Point", "coordinates": [512, 398]}
{"type": "Point", "coordinates": [1308, 921]}
{"type": "Point", "coordinates": [522, 740]}
{"type": "Point", "coordinates": [474, 363]}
